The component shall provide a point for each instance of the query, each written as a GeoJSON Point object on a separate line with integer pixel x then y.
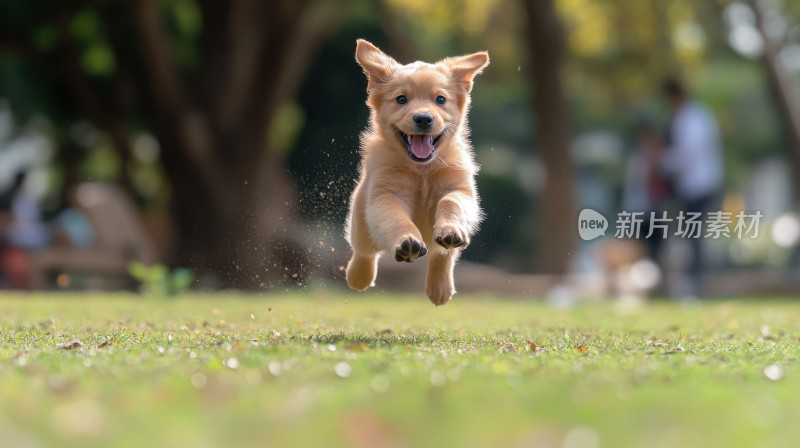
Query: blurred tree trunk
{"type": "Point", "coordinates": [232, 198]}
{"type": "Point", "coordinates": [782, 85]}
{"type": "Point", "coordinates": [401, 46]}
{"type": "Point", "coordinates": [557, 213]}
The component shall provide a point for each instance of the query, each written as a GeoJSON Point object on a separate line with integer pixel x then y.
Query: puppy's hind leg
{"type": "Point", "coordinates": [363, 265]}
{"type": "Point", "coordinates": [439, 284]}
{"type": "Point", "coordinates": [361, 271]}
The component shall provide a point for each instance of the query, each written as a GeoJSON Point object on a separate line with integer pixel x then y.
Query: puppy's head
{"type": "Point", "coordinates": [420, 106]}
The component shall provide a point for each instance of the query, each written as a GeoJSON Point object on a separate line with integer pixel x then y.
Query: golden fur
{"type": "Point", "coordinates": [410, 207]}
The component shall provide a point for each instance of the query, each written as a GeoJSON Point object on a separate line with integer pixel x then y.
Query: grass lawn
{"type": "Point", "coordinates": [329, 370]}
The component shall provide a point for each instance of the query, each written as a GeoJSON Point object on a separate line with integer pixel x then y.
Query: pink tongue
{"type": "Point", "coordinates": [421, 146]}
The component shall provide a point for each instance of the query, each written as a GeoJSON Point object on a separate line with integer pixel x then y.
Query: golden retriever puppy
{"type": "Point", "coordinates": [416, 194]}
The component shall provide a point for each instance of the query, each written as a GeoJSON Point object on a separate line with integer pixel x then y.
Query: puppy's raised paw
{"type": "Point", "coordinates": [409, 249]}
{"type": "Point", "coordinates": [450, 237]}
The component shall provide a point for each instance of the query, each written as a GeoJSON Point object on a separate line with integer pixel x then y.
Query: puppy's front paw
{"type": "Point", "coordinates": [450, 236]}
{"type": "Point", "coordinates": [409, 249]}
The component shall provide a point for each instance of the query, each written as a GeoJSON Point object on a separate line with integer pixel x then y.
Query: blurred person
{"type": "Point", "coordinates": [6, 218]}
{"type": "Point", "coordinates": [693, 163]}
{"type": "Point", "coordinates": [7, 196]}
{"type": "Point", "coordinates": [24, 230]}
{"type": "Point", "coordinates": [646, 189]}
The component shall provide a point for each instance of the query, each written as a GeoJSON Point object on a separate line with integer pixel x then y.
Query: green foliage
{"type": "Point", "coordinates": [185, 22]}
{"type": "Point", "coordinates": [288, 123]}
{"type": "Point", "coordinates": [45, 37]}
{"type": "Point", "coordinates": [159, 281]}
{"type": "Point", "coordinates": [188, 19]}
{"type": "Point", "coordinates": [97, 58]}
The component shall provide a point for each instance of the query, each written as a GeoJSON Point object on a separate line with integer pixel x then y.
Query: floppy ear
{"type": "Point", "coordinates": [377, 65]}
{"type": "Point", "coordinates": [464, 68]}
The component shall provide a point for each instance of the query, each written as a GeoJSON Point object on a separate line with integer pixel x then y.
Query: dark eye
{"type": "Point", "coordinates": [440, 99]}
{"type": "Point", "coordinates": [401, 99]}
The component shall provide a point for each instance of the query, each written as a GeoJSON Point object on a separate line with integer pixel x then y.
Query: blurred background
{"type": "Point", "coordinates": [212, 145]}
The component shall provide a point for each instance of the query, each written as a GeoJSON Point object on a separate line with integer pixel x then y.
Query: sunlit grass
{"type": "Point", "coordinates": [376, 370]}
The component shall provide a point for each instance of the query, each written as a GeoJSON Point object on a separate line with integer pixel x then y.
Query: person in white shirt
{"type": "Point", "coordinates": [693, 163]}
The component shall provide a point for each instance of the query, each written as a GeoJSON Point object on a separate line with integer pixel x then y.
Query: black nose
{"type": "Point", "coordinates": [423, 121]}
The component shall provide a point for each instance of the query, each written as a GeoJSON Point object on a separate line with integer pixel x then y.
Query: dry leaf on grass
{"type": "Point", "coordinates": [71, 345]}
{"type": "Point", "coordinates": [678, 349]}
{"type": "Point", "coordinates": [357, 346]}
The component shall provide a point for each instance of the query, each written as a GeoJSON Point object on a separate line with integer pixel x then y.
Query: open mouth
{"type": "Point", "coordinates": [420, 147]}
